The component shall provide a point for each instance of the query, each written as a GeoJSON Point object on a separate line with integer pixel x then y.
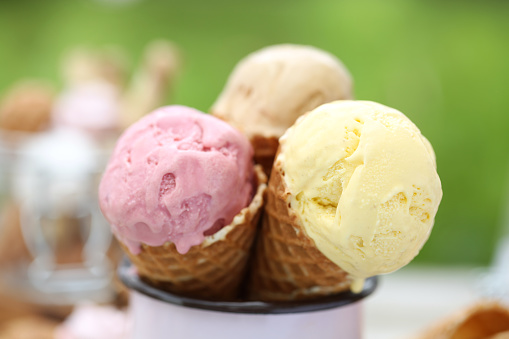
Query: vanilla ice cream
{"type": "Point", "coordinates": [363, 181]}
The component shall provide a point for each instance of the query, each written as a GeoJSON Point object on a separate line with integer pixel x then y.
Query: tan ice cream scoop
{"type": "Point", "coordinates": [270, 88]}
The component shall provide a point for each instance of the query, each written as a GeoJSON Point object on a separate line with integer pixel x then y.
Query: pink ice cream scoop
{"type": "Point", "coordinates": [177, 175]}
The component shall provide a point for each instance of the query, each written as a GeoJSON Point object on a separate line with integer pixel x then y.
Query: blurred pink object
{"type": "Point", "coordinates": [95, 322]}
{"type": "Point", "coordinates": [92, 107]}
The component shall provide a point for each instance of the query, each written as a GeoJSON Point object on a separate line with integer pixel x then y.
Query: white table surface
{"type": "Point", "coordinates": [414, 298]}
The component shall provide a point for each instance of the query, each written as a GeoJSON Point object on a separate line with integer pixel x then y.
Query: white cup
{"type": "Point", "coordinates": [159, 314]}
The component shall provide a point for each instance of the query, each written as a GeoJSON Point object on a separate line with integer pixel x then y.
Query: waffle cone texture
{"type": "Point", "coordinates": [265, 149]}
{"type": "Point", "coordinates": [212, 270]}
{"type": "Point", "coordinates": [287, 265]}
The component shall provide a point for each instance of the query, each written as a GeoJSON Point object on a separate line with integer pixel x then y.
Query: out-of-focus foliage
{"type": "Point", "coordinates": [443, 63]}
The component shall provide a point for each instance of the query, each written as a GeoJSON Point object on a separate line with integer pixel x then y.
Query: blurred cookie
{"type": "Point", "coordinates": [26, 107]}
{"type": "Point", "coordinates": [485, 320]}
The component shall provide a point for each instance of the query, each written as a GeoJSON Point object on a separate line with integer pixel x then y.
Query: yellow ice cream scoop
{"type": "Point", "coordinates": [362, 179]}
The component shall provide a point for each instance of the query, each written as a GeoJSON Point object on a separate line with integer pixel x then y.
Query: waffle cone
{"type": "Point", "coordinates": [211, 270]}
{"type": "Point", "coordinates": [265, 149]}
{"type": "Point", "coordinates": [486, 320]}
{"type": "Point", "coordinates": [287, 265]}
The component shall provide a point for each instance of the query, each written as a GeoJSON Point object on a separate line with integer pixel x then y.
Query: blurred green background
{"type": "Point", "coordinates": [445, 64]}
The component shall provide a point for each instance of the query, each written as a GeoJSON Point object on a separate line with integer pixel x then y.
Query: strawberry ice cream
{"type": "Point", "coordinates": [177, 175]}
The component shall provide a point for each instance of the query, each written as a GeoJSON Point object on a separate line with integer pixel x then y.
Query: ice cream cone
{"type": "Point", "coordinates": [287, 265]}
{"type": "Point", "coordinates": [265, 149]}
{"type": "Point", "coordinates": [213, 269]}
{"type": "Point", "coordinates": [337, 209]}
{"type": "Point", "coordinates": [270, 88]}
{"type": "Point", "coordinates": [484, 320]}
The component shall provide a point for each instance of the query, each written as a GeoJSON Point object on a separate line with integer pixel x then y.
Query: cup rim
{"type": "Point", "coordinates": [127, 274]}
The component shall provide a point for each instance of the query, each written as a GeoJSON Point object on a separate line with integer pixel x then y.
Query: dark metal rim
{"type": "Point", "coordinates": [131, 280]}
